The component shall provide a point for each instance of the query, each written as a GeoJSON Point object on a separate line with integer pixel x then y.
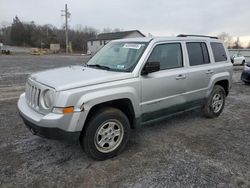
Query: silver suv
{"type": "Point", "coordinates": [126, 84]}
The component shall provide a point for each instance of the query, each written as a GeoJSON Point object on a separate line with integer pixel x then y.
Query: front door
{"type": "Point", "coordinates": [163, 91]}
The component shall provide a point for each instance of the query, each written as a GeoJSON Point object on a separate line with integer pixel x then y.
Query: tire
{"type": "Point", "coordinates": [243, 62]}
{"type": "Point", "coordinates": [106, 133]}
{"type": "Point", "coordinates": [215, 103]}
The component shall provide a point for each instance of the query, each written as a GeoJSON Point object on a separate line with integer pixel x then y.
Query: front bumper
{"type": "Point", "coordinates": [245, 76]}
{"type": "Point", "coordinates": [52, 126]}
{"type": "Point", "coordinates": [52, 133]}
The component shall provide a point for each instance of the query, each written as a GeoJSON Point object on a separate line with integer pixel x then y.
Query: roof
{"type": "Point", "coordinates": [166, 39]}
{"type": "Point", "coordinates": [115, 35]}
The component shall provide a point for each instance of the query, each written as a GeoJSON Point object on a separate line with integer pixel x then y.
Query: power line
{"type": "Point", "coordinates": [66, 15]}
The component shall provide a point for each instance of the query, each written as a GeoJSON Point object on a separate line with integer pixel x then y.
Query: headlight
{"type": "Point", "coordinates": [48, 98]}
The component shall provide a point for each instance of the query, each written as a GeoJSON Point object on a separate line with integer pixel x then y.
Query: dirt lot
{"type": "Point", "coordinates": [184, 151]}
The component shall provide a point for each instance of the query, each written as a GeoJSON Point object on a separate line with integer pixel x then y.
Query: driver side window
{"type": "Point", "coordinates": [169, 55]}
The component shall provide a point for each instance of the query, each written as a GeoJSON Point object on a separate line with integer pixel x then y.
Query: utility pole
{"type": "Point", "coordinates": [67, 15]}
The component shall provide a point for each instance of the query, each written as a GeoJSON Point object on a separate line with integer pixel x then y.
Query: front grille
{"type": "Point", "coordinates": [32, 94]}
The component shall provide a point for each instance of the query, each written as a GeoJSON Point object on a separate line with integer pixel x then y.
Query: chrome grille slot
{"type": "Point", "coordinates": [32, 95]}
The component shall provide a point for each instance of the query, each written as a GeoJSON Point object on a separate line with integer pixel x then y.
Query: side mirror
{"type": "Point", "coordinates": [150, 67]}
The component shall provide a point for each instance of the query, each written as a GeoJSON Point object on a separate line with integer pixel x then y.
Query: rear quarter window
{"type": "Point", "coordinates": [218, 52]}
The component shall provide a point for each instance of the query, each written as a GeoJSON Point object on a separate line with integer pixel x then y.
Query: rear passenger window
{"type": "Point", "coordinates": [197, 53]}
{"type": "Point", "coordinates": [218, 51]}
{"type": "Point", "coordinates": [169, 55]}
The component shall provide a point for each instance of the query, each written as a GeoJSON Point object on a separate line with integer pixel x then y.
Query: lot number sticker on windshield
{"type": "Point", "coordinates": [132, 46]}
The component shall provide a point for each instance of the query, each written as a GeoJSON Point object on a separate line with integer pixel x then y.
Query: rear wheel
{"type": "Point", "coordinates": [215, 103]}
{"type": "Point", "coordinates": [106, 134]}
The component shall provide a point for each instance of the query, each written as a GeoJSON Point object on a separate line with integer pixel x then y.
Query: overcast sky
{"type": "Point", "coordinates": [159, 17]}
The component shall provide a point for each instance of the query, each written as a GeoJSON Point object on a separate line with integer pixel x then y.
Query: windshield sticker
{"type": "Point", "coordinates": [132, 46]}
{"type": "Point", "coordinates": [120, 66]}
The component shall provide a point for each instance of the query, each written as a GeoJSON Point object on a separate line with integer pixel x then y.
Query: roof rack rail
{"type": "Point", "coordinates": [184, 35]}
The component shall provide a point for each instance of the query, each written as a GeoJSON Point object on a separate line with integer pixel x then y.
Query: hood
{"type": "Point", "coordinates": [77, 76]}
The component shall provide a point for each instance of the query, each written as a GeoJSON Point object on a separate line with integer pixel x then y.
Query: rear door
{"type": "Point", "coordinates": [165, 88]}
{"type": "Point", "coordinates": [199, 72]}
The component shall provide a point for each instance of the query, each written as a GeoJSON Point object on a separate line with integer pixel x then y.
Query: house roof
{"type": "Point", "coordinates": [115, 35]}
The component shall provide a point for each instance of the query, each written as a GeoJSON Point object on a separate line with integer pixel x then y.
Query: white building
{"type": "Point", "coordinates": [100, 40]}
{"type": "Point", "coordinates": [55, 48]}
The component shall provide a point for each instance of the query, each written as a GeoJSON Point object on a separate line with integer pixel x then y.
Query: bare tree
{"type": "Point", "coordinates": [228, 40]}
{"type": "Point", "coordinates": [34, 35]}
{"type": "Point", "coordinates": [109, 30]}
{"type": "Point", "coordinates": [237, 44]}
{"type": "Point", "coordinates": [117, 30]}
{"type": "Point", "coordinates": [248, 47]}
{"type": "Point", "coordinates": [17, 31]}
{"type": "Point", "coordinates": [106, 30]}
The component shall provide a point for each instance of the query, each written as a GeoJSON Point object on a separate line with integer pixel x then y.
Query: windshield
{"type": "Point", "coordinates": [118, 56]}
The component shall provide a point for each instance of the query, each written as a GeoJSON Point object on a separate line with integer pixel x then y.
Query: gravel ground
{"type": "Point", "coordinates": [187, 150]}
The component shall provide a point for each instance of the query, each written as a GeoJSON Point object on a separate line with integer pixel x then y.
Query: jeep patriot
{"type": "Point", "coordinates": [127, 83]}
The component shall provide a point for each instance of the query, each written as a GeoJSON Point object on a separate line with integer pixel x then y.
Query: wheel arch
{"type": "Point", "coordinates": [123, 104]}
{"type": "Point", "coordinates": [224, 84]}
{"type": "Point", "coordinates": [222, 79]}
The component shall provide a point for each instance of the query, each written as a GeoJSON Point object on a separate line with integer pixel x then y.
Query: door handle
{"type": "Point", "coordinates": [209, 72]}
{"type": "Point", "coordinates": [181, 76]}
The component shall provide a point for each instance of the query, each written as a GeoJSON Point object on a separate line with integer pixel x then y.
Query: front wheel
{"type": "Point", "coordinates": [215, 103]}
{"type": "Point", "coordinates": [106, 134]}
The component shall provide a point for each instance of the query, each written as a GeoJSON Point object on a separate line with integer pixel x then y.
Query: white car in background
{"type": "Point", "coordinates": [238, 59]}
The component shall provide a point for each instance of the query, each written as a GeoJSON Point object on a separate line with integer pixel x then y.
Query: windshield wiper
{"type": "Point", "coordinates": [99, 66]}
{"type": "Point", "coordinates": [85, 64]}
